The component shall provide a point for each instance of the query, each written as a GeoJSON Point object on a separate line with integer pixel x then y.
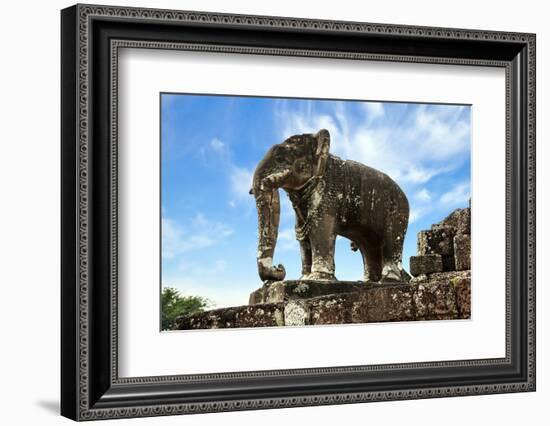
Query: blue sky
{"type": "Point", "coordinates": [210, 146]}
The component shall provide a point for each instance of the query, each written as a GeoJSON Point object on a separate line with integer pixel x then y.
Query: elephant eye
{"type": "Point", "coordinates": [301, 166]}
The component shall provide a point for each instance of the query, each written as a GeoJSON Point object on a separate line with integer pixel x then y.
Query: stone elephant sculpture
{"type": "Point", "coordinates": [330, 197]}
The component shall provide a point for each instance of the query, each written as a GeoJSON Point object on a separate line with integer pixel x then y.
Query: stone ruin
{"type": "Point", "coordinates": [443, 248]}
{"type": "Point", "coordinates": [439, 290]}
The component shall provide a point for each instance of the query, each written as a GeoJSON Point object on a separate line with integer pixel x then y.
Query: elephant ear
{"type": "Point", "coordinates": [321, 153]}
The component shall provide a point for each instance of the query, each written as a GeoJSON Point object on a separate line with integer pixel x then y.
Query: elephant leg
{"type": "Point", "coordinates": [392, 253]}
{"type": "Point", "coordinates": [305, 250]}
{"type": "Point", "coordinates": [372, 261]}
{"type": "Point", "coordinates": [322, 238]}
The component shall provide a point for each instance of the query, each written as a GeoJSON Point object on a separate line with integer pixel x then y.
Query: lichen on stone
{"type": "Point", "coordinates": [295, 313]}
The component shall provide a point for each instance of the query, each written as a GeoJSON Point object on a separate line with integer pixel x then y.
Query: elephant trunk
{"type": "Point", "coordinates": [269, 207]}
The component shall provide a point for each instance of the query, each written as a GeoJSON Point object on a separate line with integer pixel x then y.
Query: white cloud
{"type": "Point", "coordinates": [415, 214]}
{"type": "Point", "coordinates": [287, 211]}
{"type": "Point", "coordinates": [241, 182]}
{"type": "Point", "coordinates": [417, 174]}
{"type": "Point", "coordinates": [414, 151]}
{"type": "Point", "coordinates": [286, 240]}
{"type": "Point", "coordinates": [413, 145]}
{"type": "Point", "coordinates": [419, 212]}
{"type": "Point", "coordinates": [217, 145]}
{"type": "Point", "coordinates": [445, 134]}
{"type": "Point", "coordinates": [201, 233]}
{"type": "Point", "coordinates": [458, 196]}
{"type": "Point", "coordinates": [421, 204]}
{"type": "Point", "coordinates": [172, 238]}
{"type": "Point", "coordinates": [423, 195]}
{"type": "Point", "coordinates": [216, 153]}
{"type": "Point", "coordinates": [373, 109]}
{"type": "Point", "coordinates": [239, 178]}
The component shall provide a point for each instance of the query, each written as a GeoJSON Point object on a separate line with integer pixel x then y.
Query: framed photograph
{"type": "Point", "coordinates": [263, 212]}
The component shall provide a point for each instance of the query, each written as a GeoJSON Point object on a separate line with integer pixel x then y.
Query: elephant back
{"type": "Point", "coordinates": [371, 195]}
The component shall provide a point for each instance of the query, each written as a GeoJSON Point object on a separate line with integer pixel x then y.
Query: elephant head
{"type": "Point", "coordinates": [289, 165]}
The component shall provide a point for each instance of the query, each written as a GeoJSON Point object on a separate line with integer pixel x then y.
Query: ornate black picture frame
{"type": "Point", "coordinates": [91, 387]}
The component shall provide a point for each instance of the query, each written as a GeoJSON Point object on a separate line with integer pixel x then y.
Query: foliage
{"type": "Point", "coordinates": [173, 304]}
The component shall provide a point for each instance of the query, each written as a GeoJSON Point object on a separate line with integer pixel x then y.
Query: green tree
{"type": "Point", "coordinates": [173, 304]}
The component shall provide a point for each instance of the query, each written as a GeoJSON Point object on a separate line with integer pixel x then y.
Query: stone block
{"type": "Point", "coordinates": [425, 264]}
{"type": "Point", "coordinates": [422, 278]}
{"type": "Point", "coordinates": [436, 241]}
{"type": "Point", "coordinates": [360, 308]}
{"type": "Point", "coordinates": [446, 295]}
{"type": "Point", "coordinates": [448, 276]}
{"type": "Point", "coordinates": [296, 313]}
{"type": "Point", "coordinates": [448, 263]}
{"type": "Point", "coordinates": [435, 301]}
{"type": "Point", "coordinates": [264, 315]}
{"type": "Point", "coordinates": [257, 296]}
{"type": "Point", "coordinates": [462, 243]}
{"type": "Point", "coordinates": [459, 220]}
{"type": "Point", "coordinates": [390, 303]}
{"type": "Point", "coordinates": [463, 291]}
{"type": "Point", "coordinates": [332, 309]}
{"type": "Point", "coordinates": [280, 291]}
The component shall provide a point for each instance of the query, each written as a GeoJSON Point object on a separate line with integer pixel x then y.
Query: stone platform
{"type": "Point", "coordinates": [441, 296]}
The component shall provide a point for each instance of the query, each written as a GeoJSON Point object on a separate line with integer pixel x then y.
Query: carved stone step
{"type": "Point", "coordinates": [298, 303]}
{"type": "Point", "coordinates": [280, 291]}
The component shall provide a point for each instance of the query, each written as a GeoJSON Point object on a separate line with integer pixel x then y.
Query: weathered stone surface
{"type": "Point", "coordinates": [360, 308]}
{"type": "Point", "coordinates": [435, 301]}
{"type": "Point", "coordinates": [463, 291]}
{"type": "Point", "coordinates": [447, 276]}
{"type": "Point", "coordinates": [448, 297]}
{"type": "Point", "coordinates": [296, 313]}
{"type": "Point", "coordinates": [449, 238]}
{"type": "Point", "coordinates": [390, 303]}
{"type": "Point", "coordinates": [459, 220]}
{"type": "Point", "coordinates": [266, 315]}
{"type": "Point", "coordinates": [422, 278]}
{"type": "Point", "coordinates": [425, 264]}
{"type": "Point", "coordinates": [257, 296]}
{"type": "Point", "coordinates": [350, 199]}
{"type": "Point", "coordinates": [462, 252]}
{"type": "Point", "coordinates": [448, 263]}
{"type": "Point", "coordinates": [280, 291]}
{"type": "Point", "coordinates": [436, 241]}
{"type": "Point", "coordinates": [331, 309]}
